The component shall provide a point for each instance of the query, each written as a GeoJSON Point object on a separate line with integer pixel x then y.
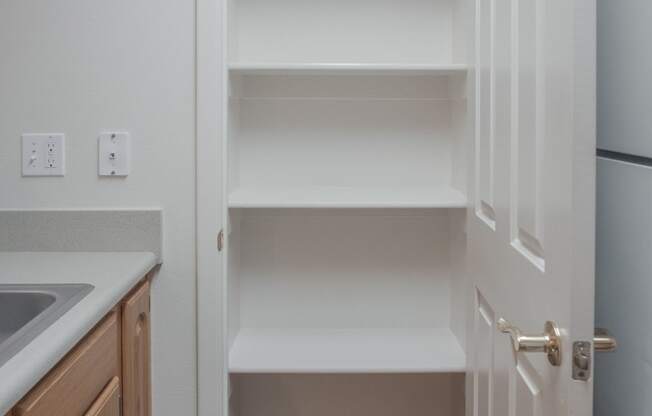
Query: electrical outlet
{"type": "Point", "coordinates": [43, 154]}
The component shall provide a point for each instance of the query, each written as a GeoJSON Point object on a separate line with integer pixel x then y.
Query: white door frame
{"type": "Point", "coordinates": [211, 98]}
{"type": "Point", "coordinates": [210, 95]}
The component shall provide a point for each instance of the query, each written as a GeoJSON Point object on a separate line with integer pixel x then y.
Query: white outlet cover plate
{"type": "Point", "coordinates": [114, 154]}
{"type": "Point", "coordinates": [44, 154]}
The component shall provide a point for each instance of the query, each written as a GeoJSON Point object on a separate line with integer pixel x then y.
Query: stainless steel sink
{"type": "Point", "coordinates": [27, 310]}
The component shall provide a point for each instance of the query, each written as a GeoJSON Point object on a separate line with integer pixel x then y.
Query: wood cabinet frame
{"type": "Point", "coordinates": [109, 370]}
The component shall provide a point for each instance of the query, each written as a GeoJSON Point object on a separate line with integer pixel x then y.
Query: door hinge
{"type": "Point", "coordinates": [220, 240]}
{"type": "Point", "coordinates": [582, 360]}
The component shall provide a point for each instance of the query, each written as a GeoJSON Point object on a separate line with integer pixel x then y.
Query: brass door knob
{"type": "Point", "coordinates": [549, 342]}
{"type": "Point", "coordinates": [603, 341]}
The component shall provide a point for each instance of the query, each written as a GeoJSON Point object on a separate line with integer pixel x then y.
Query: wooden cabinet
{"type": "Point", "coordinates": [75, 383]}
{"type": "Point", "coordinates": [136, 349]}
{"type": "Point", "coordinates": [108, 403]}
{"type": "Point", "coordinates": [106, 374]}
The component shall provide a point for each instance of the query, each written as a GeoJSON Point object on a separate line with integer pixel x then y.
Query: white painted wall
{"type": "Point", "coordinates": [624, 66]}
{"type": "Point", "coordinates": [623, 379]}
{"type": "Point", "coordinates": [83, 66]}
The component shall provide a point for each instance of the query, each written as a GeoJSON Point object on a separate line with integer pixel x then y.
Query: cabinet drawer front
{"type": "Point", "coordinates": [108, 404]}
{"type": "Point", "coordinates": [72, 386]}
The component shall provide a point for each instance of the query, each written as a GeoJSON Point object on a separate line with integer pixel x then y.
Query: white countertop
{"type": "Point", "coordinates": [112, 275]}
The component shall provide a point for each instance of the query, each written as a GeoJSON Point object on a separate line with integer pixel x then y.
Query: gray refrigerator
{"type": "Point", "coordinates": [623, 380]}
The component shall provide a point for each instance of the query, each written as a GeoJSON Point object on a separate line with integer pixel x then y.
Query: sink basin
{"type": "Point", "coordinates": [27, 310]}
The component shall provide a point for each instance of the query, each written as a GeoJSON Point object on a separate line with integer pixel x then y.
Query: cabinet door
{"type": "Point", "coordinates": [136, 353]}
{"type": "Point", "coordinates": [108, 403]}
{"type": "Point", "coordinates": [72, 386]}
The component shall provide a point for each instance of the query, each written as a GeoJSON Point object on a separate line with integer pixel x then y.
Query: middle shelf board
{"type": "Point", "coordinates": [346, 69]}
{"type": "Point", "coordinates": [420, 350]}
{"type": "Point", "coordinates": [331, 197]}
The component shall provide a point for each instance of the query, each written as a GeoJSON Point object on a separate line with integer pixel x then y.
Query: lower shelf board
{"type": "Point", "coordinates": [259, 351]}
{"type": "Point", "coordinates": [331, 197]}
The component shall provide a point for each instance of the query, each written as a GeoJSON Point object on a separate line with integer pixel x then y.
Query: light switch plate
{"type": "Point", "coordinates": [114, 154]}
{"type": "Point", "coordinates": [44, 154]}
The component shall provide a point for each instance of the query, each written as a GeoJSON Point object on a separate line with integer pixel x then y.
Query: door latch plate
{"type": "Point", "coordinates": [581, 360]}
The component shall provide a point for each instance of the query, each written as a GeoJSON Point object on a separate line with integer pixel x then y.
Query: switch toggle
{"type": "Point", "coordinates": [114, 154]}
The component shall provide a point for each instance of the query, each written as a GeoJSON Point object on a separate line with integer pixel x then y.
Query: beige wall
{"type": "Point", "coordinates": [83, 66]}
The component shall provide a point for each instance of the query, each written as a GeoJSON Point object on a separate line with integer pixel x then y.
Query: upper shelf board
{"type": "Point", "coordinates": [347, 198]}
{"type": "Point", "coordinates": [346, 69]}
{"type": "Point", "coordinates": [346, 351]}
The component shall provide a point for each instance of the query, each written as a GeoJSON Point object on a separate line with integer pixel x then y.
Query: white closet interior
{"type": "Point", "coordinates": [346, 201]}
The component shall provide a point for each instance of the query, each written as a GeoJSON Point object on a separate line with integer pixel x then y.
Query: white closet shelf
{"type": "Point", "coordinates": [346, 351]}
{"type": "Point", "coordinates": [347, 198]}
{"type": "Point", "coordinates": [346, 68]}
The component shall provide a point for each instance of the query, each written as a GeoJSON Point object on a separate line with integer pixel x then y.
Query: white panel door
{"type": "Point", "coordinates": [531, 229]}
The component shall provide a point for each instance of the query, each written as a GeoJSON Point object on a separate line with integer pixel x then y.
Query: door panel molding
{"type": "Point", "coordinates": [528, 130]}
{"type": "Point", "coordinates": [484, 138]}
{"type": "Point", "coordinates": [527, 395]}
{"type": "Point", "coordinates": [484, 336]}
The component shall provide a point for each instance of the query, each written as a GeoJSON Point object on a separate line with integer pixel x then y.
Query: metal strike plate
{"type": "Point", "coordinates": [220, 240]}
{"type": "Point", "coordinates": [581, 360]}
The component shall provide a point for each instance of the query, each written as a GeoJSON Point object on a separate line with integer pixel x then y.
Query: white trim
{"type": "Point", "coordinates": [210, 128]}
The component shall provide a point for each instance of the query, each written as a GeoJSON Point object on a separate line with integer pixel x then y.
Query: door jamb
{"type": "Point", "coordinates": [210, 130]}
